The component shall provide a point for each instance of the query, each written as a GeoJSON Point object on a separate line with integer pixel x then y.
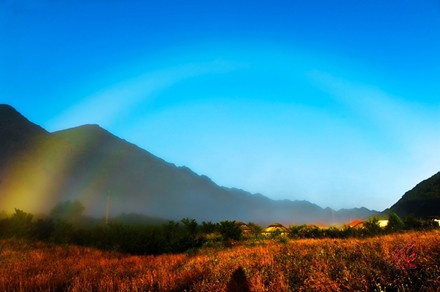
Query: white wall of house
{"type": "Point", "coordinates": [382, 223]}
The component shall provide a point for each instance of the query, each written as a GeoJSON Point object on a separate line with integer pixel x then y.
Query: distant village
{"type": "Point", "coordinates": [278, 229]}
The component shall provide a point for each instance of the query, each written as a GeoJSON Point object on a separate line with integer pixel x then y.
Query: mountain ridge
{"type": "Point", "coordinates": [90, 164]}
{"type": "Point", "coordinates": [19, 130]}
{"type": "Point", "coordinates": [421, 201]}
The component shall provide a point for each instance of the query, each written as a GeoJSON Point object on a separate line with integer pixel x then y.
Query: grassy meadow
{"type": "Point", "coordinates": [407, 261]}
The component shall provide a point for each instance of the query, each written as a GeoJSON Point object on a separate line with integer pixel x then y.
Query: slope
{"type": "Point", "coordinates": [421, 201]}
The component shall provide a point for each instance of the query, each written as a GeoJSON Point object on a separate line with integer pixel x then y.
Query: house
{"type": "Point", "coordinates": [275, 228]}
{"type": "Point", "coordinates": [434, 220]}
{"type": "Point", "coordinates": [245, 230]}
{"type": "Point", "coordinates": [357, 223]}
{"type": "Point", "coordinates": [382, 223]}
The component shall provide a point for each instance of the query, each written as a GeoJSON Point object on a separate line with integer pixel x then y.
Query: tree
{"type": "Point", "coordinates": [191, 238]}
{"type": "Point", "coordinates": [254, 229]}
{"type": "Point", "coordinates": [412, 222]}
{"type": "Point", "coordinates": [229, 230]}
{"type": "Point", "coordinates": [208, 227]}
{"type": "Point", "coordinates": [20, 224]}
{"type": "Point", "coordinates": [372, 227]}
{"type": "Point", "coordinates": [394, 222]}
{"type": "Point", "coordinates": [190, 226]}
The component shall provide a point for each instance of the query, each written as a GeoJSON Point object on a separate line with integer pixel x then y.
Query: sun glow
{"type": "Point", "coordinates": [32, 179]}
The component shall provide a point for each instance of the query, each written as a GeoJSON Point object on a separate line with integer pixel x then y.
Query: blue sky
{"type": "Point", "coordinates": [336, 102]}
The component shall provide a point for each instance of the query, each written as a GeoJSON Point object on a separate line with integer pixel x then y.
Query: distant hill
{"type": "Point", "coordinates": [87, 163]}
{"type": "Point", "coordinates": [422, 201]}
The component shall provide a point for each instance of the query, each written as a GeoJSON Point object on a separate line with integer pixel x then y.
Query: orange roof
{"type": "Point", "coordinates": [354, 223]}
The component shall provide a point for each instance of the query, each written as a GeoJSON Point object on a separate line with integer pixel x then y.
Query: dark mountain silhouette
{"type": "Point", "coordinates": [89, 164]}
{"type": "Point", "coordinates": [422, 201]}
{"type": "Point", "coordinates": [16, 133]}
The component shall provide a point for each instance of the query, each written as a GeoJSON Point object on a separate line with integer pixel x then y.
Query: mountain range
{"type": "Point", "coordinates": [38, 169]}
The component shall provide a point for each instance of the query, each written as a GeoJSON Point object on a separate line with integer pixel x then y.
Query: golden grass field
{"type": "Point", "coordinates": [398, 262]}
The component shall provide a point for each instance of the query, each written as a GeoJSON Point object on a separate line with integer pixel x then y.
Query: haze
{"type": "Point", "coordinates": [335, 102]}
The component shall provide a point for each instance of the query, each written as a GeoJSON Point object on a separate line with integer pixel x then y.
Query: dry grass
{"type": "Point", "coordinates": [302, 265]}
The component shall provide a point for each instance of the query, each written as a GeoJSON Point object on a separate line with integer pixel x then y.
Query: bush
{"type": "Point", "coordinates": [63, 232]}
{"type": "Point", "coordinates": [43, 229]}
{"type": "Point", "coordinates": [372, 227]}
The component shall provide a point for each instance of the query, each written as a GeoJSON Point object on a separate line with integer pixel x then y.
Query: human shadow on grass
{"type": "Point", "coordinates": [238, 282]}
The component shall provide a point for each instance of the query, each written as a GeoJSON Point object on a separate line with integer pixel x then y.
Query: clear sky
{"type": "Point", "coordinates": [336, 102]}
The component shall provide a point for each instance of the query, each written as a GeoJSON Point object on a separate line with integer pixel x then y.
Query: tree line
{"type": "Point", "coordinates": [66, 225]}
{"type": "Point", "coordinates": [63, 226]}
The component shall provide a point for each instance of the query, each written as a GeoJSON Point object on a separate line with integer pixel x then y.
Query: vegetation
{"type": "Point", "coordinates": [61, 252]}
{"type": "Point", "coordinates": [66, 225]}
{"type": "Point", "coordinates": [402, 261]}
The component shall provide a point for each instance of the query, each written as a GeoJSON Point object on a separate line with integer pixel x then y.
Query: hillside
{"type": "Point", "coordinates": [16, 132]}
{"type": "Point", "coordinates": [421, 201]}
{"type": "Point", "coordinates": [90, 164]}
